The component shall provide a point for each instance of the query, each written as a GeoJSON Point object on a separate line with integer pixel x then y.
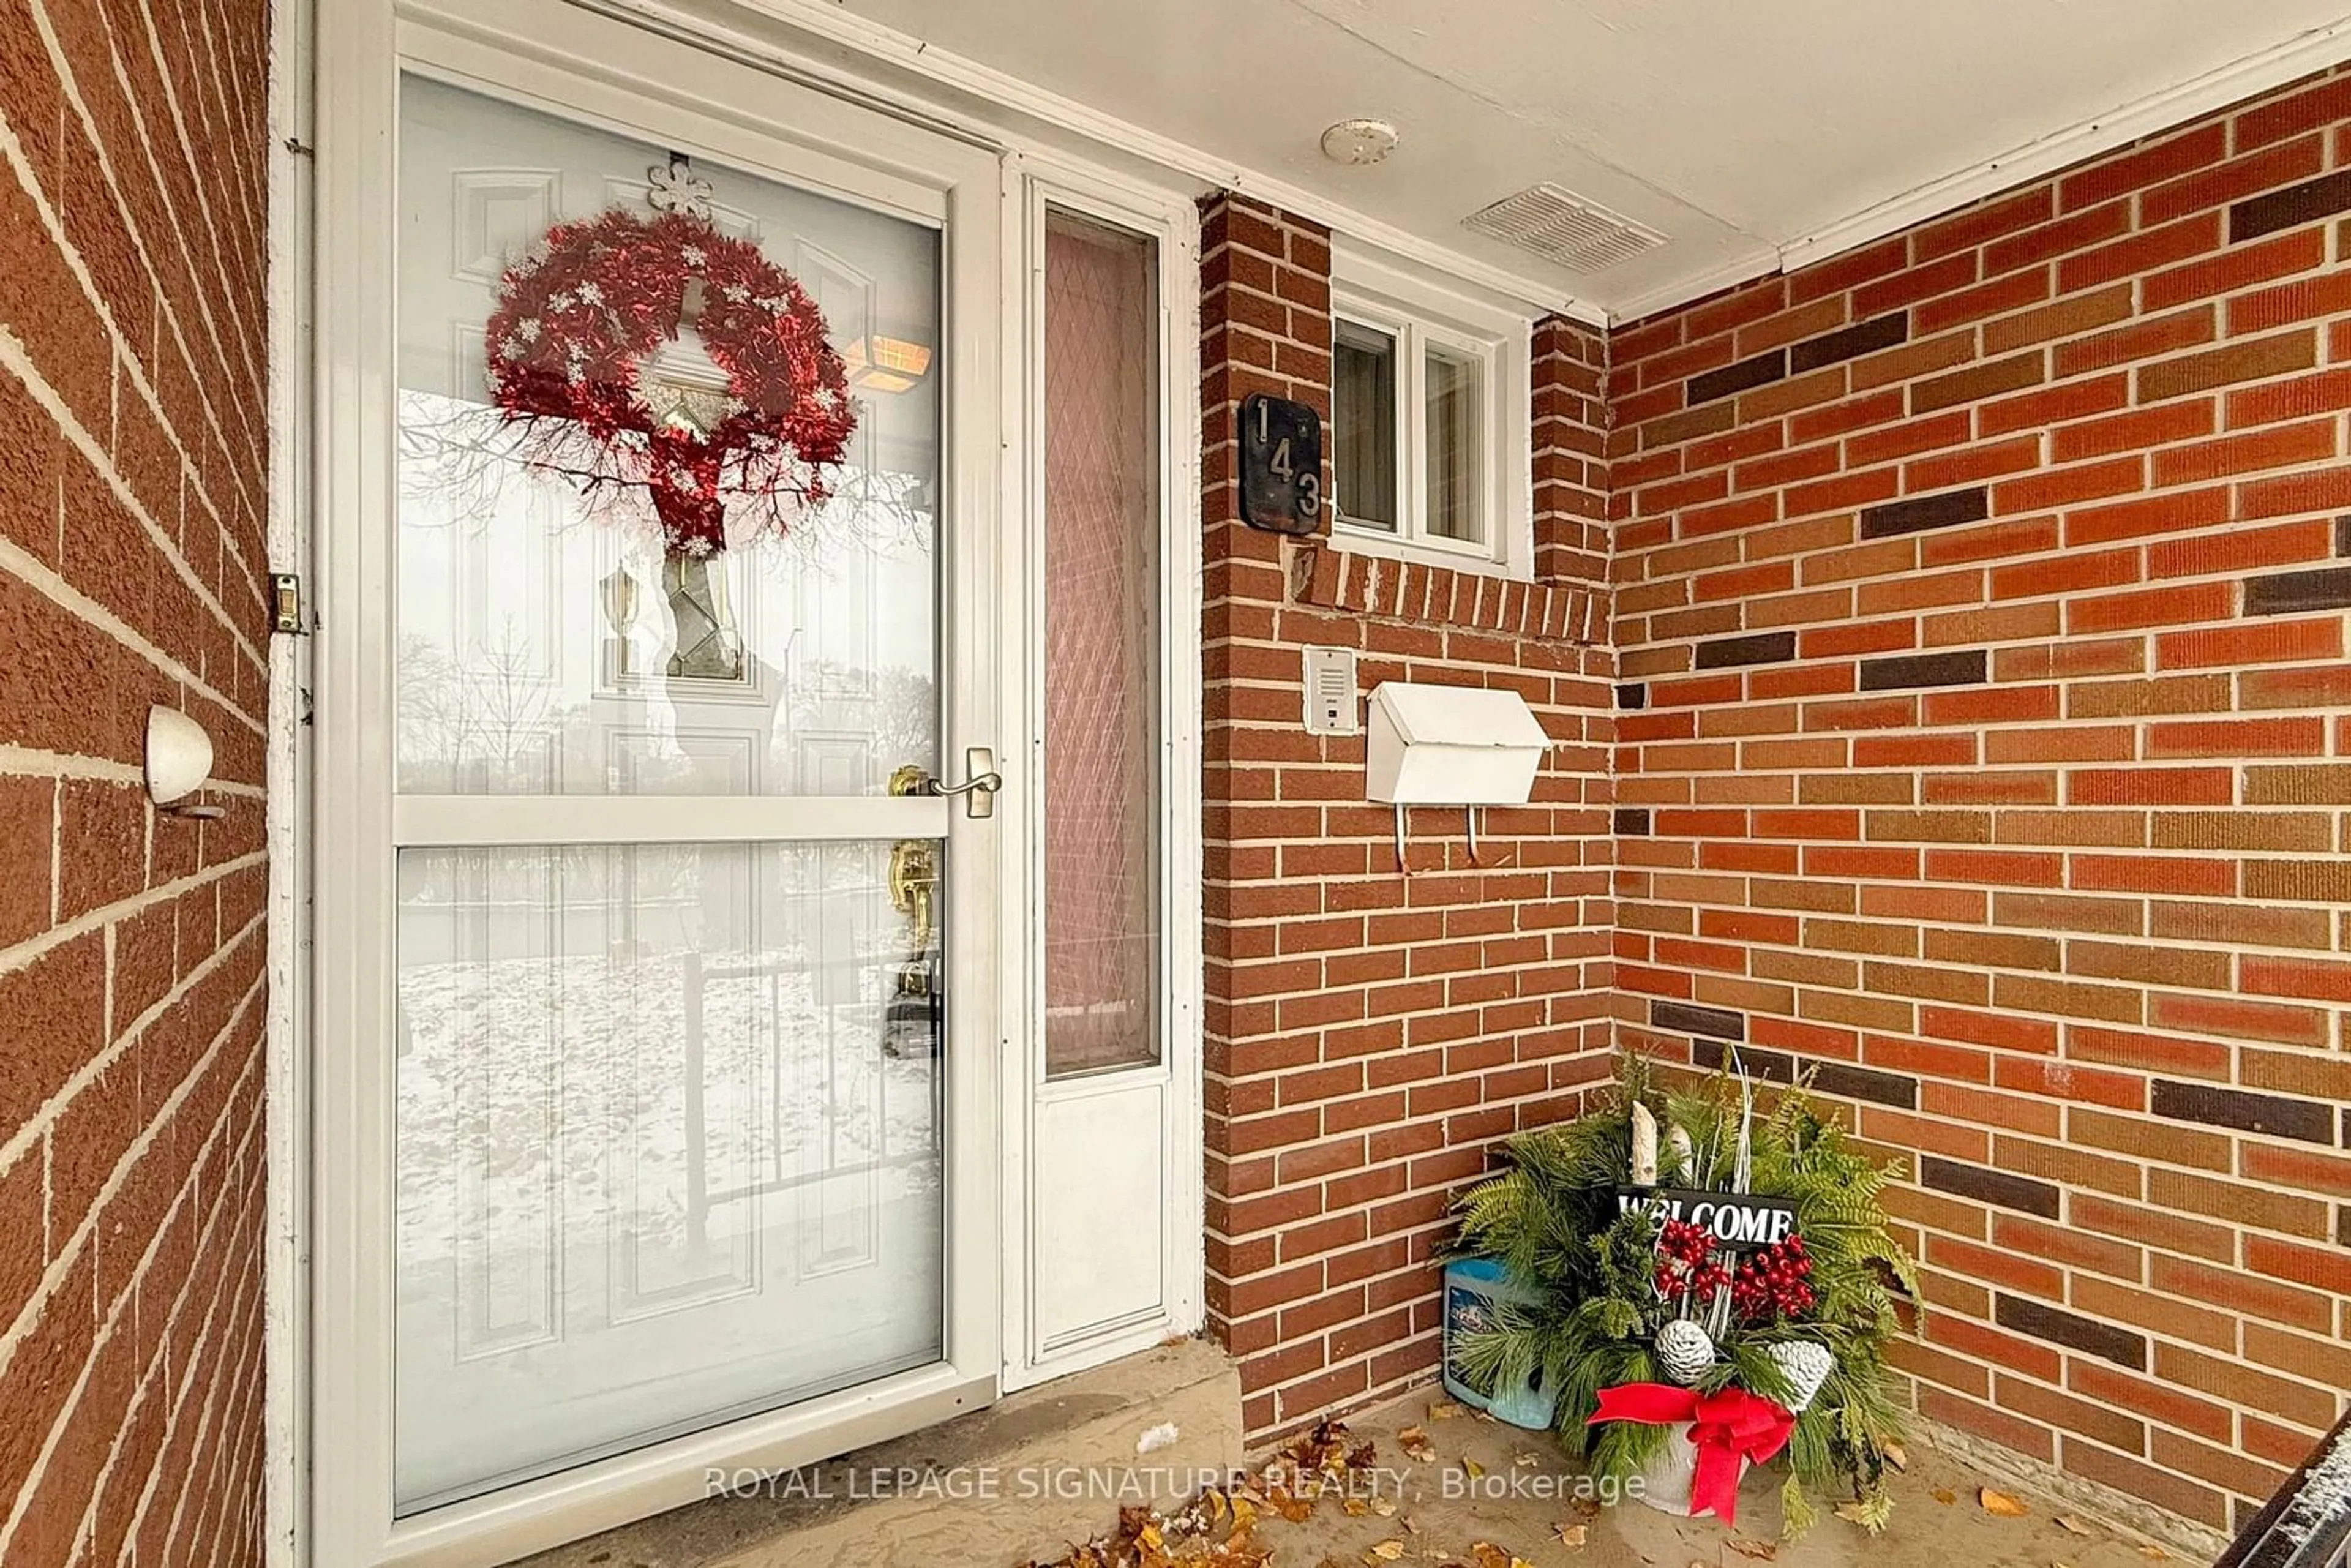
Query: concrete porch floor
{"type": "Point", "coordinates": [1938, 1518]}
{"type": "Point", "coordinates": [1433, 1509]}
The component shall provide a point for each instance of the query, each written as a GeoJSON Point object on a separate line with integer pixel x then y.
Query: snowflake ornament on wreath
{"type": "Point", "coordinates": [578, 319]}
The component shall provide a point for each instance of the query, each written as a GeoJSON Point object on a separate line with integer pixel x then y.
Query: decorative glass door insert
{"type": "Point", "coordinates": [670, 999]}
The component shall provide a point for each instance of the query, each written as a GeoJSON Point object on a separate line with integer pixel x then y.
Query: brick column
{"type": "Point", "coordinates": [1570, 434]}
{"type": "Point", "coordinates": [1370, 1037]}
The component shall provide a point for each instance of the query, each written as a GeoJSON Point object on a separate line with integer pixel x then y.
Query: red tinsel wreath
{"type": "Point", "coordinates": [576, 320]}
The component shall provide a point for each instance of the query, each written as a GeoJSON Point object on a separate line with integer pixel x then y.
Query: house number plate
{"type": "Point", "coordinates": [1282, 465]}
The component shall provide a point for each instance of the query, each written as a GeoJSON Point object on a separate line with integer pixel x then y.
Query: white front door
{"type": "Point", "coordinates": [659, 1001]}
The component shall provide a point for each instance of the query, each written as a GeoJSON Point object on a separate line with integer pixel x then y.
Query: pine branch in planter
{"type": "Point", "coordinates": [1552, 1219]}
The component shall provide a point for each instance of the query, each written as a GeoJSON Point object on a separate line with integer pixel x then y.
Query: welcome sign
{"type": "Point", "coordinates": [1736, 1219]}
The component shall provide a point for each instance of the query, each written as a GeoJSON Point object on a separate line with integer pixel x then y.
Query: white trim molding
{"type": "Point", "coordinates": [2118, 126]}
{"type": "Point", "coordinates": [2318, 49]}
{"type": "Point", "coordinates": [286, 1286]}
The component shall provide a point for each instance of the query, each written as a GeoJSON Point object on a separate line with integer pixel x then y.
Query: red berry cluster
{"type": "Point", "coordinates": [1774, 1283]}
{"type": "Point", "coordinates": [1685, 1265]}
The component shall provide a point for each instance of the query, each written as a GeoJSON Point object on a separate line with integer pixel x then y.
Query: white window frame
{"type": "Point", "coordinates": [1420, 312]}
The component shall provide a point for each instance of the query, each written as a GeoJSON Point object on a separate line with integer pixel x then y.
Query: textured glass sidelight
{"type": "Point", "coordinates": [1102, 634]}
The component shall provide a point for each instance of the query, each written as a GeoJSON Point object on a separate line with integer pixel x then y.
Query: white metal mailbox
{"type": "Point", "coordinates": [1452, 746]}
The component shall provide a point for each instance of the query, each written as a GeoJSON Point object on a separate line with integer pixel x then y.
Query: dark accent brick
{"type": "Point", "coordinates": [1866, 1083]}
{"type": "Point", "coordinates": [2073, 1332]}
{"type": "Point", "coordinates": [1760, 370]}
{"type": "Point", "coordinates": [2329, 588]}
{"type": "Point", "coordinates": [2343, 536]}
{"type": "Point", "coordinates": [2303, 204]}
{"type": "Point", "coordinates": [1762, 648]}
{"type": "Point", "coordinates": [1772, 1066]}
{"type": "Point", "coordinates": [1635, 693]}
{"type": "Point", "coordinates": [1947, 510]}
{"type": "Point", "coordinates": [1849, 343]}
{"type": "Point", "coordinates": [1716, 1023]}
{"type": "Point", "coordinates": [2020, 1192]}
{"type": "Point", "coordinates": [2247, 1113]}
{"type": "Point", "coordinates": [1828, 1077]}
{"type": "Point", "coordinates": [1632, 818]}
{"type": "Point", "coordinates": [1960, 667]}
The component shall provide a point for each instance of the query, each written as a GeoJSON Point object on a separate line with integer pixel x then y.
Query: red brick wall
{"type": "Point", "coordinates": [1986, 742]}
{"type": "Point", "coordinates": [132, 447]}
{"type": "Point", "coordinates": [1370, 1036]}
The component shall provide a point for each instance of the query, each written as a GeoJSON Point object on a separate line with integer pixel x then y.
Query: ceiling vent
{"type": "Point", "coordinates": [1561, 226]}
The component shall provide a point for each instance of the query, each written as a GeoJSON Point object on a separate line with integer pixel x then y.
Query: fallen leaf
{"type": "Point", "coordinates": [1472, 1468]}
{"type": "Point", "coordinates": [1946, 1496]}
{"type": "Point", "coordinates": [2000, 1503]}
{"type": "Point", "coordinates": [1385, 1551]}
{"type": "Point", "coordinates": [1896, 1456]}
{"type": "Point", "coordinates": [1763, 1549]}
{"type": "Point", "coordinates": [1490, 1555]}
{"type": "Point", "coordinates": [1355, 1508]}
{"type": "Point", "coordinates": [1852, 1512]}
{"type": "Point", "coordinates": [1573, 1534]}
{"type": "Point", "coordinates": [1446, 1409]}
{"type": "Point", "coordinates": [1384, 1508]}
{"type": "Point", "coordinates": [1416, 1445]}
{"type": "Point", "coordinates": [2072, 1526]}
{"type": "Point", "coordinates": [1525, 1461]}
{"type": "Point", "coordinates": [1411, 1525]}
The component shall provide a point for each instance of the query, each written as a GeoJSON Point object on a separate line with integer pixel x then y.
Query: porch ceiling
{"type": "Point", "coordinates": [1735, 128]}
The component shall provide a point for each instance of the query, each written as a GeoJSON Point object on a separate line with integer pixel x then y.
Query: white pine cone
{"type": "Point", "coordinates": [1684, 1352]}
{"type": "Point", "coordinates": [1806, 1366]}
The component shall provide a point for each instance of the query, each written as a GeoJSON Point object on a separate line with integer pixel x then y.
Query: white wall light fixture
{"type": "Point", "coordinates": [179, 760]}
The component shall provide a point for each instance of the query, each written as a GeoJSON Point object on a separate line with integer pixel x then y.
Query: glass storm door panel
{"type": "Point", "coordinates": [548, 643]}
{"type": "Point", "coordinates": [670, 980]}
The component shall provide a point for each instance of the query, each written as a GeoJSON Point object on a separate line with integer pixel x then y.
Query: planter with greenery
{"type": "Point", "coordinates": [1633, 1305]}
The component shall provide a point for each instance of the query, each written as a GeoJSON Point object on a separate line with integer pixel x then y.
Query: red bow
{"type": "Point", "coordinates": [1727, 1427]}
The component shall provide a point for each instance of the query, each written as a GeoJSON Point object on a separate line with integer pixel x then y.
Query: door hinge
{"type": "Point", "coordinates": [286, 604]}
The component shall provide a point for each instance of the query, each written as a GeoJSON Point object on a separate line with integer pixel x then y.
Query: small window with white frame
{"type": "Point", "coordinates": [1431, 426]}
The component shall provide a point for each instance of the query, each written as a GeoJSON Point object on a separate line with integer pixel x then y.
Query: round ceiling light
{"type": "Point", "coordinates": [1359, 141]}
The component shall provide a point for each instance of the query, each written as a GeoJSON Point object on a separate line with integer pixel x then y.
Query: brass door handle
{"type": "Point", "coordinates": [914, 883]}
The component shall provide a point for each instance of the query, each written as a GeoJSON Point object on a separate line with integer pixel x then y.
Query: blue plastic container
{"type": "Point", "coordinates": [1472, 1288]}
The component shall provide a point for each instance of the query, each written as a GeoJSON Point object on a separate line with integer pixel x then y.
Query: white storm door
{"type": "Point", "coordinates": [660, 1008]}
